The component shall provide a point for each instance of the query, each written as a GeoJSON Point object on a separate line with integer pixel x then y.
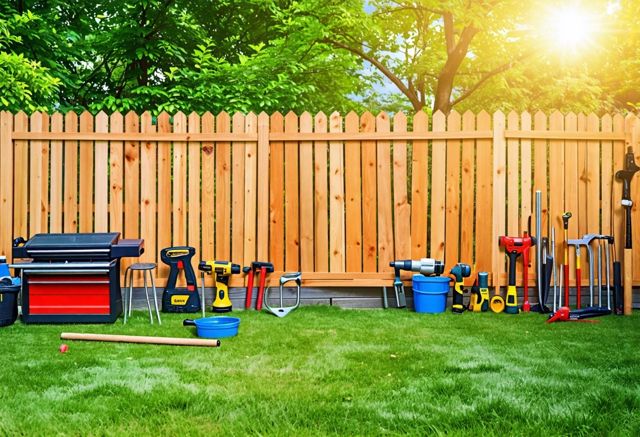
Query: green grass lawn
{"type": "Point", "coordinates": [323, 370]}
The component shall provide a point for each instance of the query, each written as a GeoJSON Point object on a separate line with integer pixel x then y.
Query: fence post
{"type": "Point", "coordinates": [499, 184]}
{"type": "Point", "coordinates": [6, 181]}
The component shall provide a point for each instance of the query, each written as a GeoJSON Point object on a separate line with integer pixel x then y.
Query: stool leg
{"type": "Point", "coordinates": [155, 299]}
{"type": "Point", "coordinates": [146, 293]}
{"type": "Point", "coordinates": [124, 300]}
{"type": "Point", "coordinates": [130, 291]}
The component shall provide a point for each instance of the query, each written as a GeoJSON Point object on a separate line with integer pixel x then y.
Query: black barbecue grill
{"type": "Point", "coordinates": [72, 278]}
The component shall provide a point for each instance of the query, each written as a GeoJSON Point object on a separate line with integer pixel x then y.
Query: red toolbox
{"type": "Point", "coordinates": [72, 278]}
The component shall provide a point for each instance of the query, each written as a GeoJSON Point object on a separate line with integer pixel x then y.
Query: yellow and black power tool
{"type": "Point", "coordinates": [480, 294]}
{"type": "Point", "coordinates": [459, 271]}
{"type": "Point", "coordinates": [180, 300]}
{"type": "Point", "coordinates": [222, 269]}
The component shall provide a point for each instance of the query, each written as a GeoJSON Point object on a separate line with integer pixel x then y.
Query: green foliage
{"type": "Point", "coordinates": [24, 83]}
{"type": "Point", "coordinates": [325, 371]}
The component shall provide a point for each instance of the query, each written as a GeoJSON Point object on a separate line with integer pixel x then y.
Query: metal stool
{"type": "Point", "coordinates": [144, 268]}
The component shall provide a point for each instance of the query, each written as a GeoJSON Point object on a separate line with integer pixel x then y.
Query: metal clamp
{"type": "Point", "coordinates": [282, 311]}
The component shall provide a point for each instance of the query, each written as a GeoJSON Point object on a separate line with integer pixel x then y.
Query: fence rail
{"type": "Point", "coordinates": [336, 197]}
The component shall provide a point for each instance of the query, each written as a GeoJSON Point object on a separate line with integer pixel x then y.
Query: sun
{"type": "Point", "coordinates": [572, 28]}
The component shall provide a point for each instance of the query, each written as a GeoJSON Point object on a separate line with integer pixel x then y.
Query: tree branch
{"type": "Point", "coordinates": [415, 102]}
{"type": "Point", "coordinates": [488, 75]}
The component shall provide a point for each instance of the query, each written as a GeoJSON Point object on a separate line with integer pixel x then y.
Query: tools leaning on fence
{"type": "Point", "coordinates": [564, 314]}
{"type": "Point", "coordinates": [261, 268]}
{"type": "Point", "coordinates": [630, 169]}
{"type": "Point", "coordinates": [514, 247]}
{"type": "Point", "coordinates": [282, 311]}
{"type": "Point", "coordinates": [425, 266]}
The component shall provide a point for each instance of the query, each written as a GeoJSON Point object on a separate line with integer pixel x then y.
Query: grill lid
{"type": "Point", "coordinates": [72, 241]}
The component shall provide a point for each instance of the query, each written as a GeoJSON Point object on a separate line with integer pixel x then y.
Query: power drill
{"type": "Point", "coordinates": [425, 266]}
{"type": "Point", "coordinates": [514, 246]}
{"type": "Point", "coordinates": [460, 271]}
{"type": "Point", "coordinates": [222, 269]}
{"type": "Point", "coordinates": [480, 294]}
{"type": "Point", "coordinates": [175, 300]}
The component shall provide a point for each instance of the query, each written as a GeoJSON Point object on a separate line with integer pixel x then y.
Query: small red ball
{"type": "Point", "coordinates": [63, 348]}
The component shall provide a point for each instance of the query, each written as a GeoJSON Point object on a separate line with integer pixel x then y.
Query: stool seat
{"type": "Point", "coordinates": [143, 266]}
{"type": "Point", "coordinates": [146, 269]}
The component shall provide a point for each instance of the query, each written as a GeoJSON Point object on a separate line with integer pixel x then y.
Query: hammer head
{"type": "Point", "coordinates": [257, 265]}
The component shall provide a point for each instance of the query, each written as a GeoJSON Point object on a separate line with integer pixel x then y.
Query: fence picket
{"type": "Point", "coordinates": [336, 202]}
{"type": "Point", "coordinates": [262, 240]}
{"type": "Point", "coordinates": [223, 190]}
{"type": "Point", "coordinates": [484, 197]}
{"type": "Point", "coordinates": [369, 201]}
{"type": "Point", "coordinates": [402, 208]}
{"type": "Point", "coordinates": [438, 175]}
{"type": "Point", "coordinates": [6, 181]}
{"type": "Point", "coordinates": [250, 191]}
{"type": "Point", "coordinates": [467, 192]}
{"type": "Point", "coordinates": [276, 196]}
{"type": "Point", "coordinates": [353, 197]}
{"type": "Point", "coordinates": [101, 176]}
{"type": "Point", "coordinates": [21, 178]}
{"type": "Point", "coordinates": [321, 220]}
{"type": "Point", "coordinates": [291, 196]}
{"type": "Point", "coordinates": [208, 195]}
{"type": "Point", "coordinates": [116, 173]}
{"type": "Point", "coordinates": [164, 192]}
{"type": "Point", "coordinates": [237, 191]}
{"type": "Point", "coordinates": [56, 199]}
{"type": "Point", "coordinates": [306, 196]}
{"type": "Point", "coordinates": [452, 195]}
{"type": "Point", "coordinates": [38, 177]}
{"type": "Point", "coordinates": [193, 189]}
{"type": "Point", "coordinates": [385, 201]}
{"type": "Point", "coordinates": [148, 179]}
{"type": "Point", "coordinates": [420, 189]}
{"type": "Point", "coordinates": [131, 178]}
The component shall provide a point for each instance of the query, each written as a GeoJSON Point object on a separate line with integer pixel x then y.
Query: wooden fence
{"type": "Point", "coordinates": [335, 197]}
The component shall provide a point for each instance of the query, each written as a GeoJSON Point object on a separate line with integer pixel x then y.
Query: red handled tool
{"type": "Point", "coordinates": [565, 222]}
{"type": "Point", "coordinates": [514, 246]}
{"type": "Point", "coordinates": [256, 267]}
{"type": "Point", "coordinates": [564, 314]}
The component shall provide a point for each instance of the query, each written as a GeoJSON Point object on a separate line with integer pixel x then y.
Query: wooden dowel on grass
{"type": "Point", "coordinates": [173, 341]}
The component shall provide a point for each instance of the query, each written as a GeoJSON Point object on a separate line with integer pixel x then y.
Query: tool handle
{"type": "Point", "coordinates": [249, 295]}
{"type": "Point", "coordinates": [458, 306]}
{"type": "Point", "coordinates": [617, 288]}
{"type": "Point", "coordinates": [263, 278]}
{"type": "Point", "coordinates": [628, 281]}
{"type": "Point", "coordinates": [628, 236]}
{"type": "Point", "coordinates": [188, 322]}
{"type": "Point", "coordinates": [140, 339]}
{"type": "Point", "coordinates": [565, 272]}
{"type": "Point", "coordinates": [578, 287]}
{"type": "Point", "coordinates": [513, 256]}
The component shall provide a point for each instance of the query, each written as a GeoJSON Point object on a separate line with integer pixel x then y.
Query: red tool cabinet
{"type": "Point", "coordinates": [72, 278]}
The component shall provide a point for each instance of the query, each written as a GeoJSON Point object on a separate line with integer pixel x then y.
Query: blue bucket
{"type": "Point", "coordinates": [430, 293]}
{"type": "Point", "coordinates": [217, 327]}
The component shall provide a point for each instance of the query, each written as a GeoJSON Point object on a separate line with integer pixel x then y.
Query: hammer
{"type": "Point", "coordinates": [260, 267]}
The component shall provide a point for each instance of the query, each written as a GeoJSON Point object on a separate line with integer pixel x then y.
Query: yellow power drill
{"type": "Point", "coordinates": [222, 269]}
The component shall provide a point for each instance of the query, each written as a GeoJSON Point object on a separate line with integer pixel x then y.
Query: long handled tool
{"type": "Point", "coordinates": [282, 311]}
{"type": "Point", "coordinates": [514, 246]}
{"type": "Point", "coordinates": [261, 268]}
{"type": "Point", "coordinates": [565, 224]}
{"type": "Point", "coordinates": [630, 168]}
{"type": "Point", "coordinates": [173, 341]}
{"type": "Point", "coordinates": [577, 244]}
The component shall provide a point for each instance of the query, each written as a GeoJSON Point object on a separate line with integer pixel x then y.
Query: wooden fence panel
{"type": "Point", "coordinates": [336, 205]}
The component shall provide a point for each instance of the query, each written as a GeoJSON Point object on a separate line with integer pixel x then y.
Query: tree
{"type": "Point", "coordinates": [473, 54]}
{"type": "Point", "coordinates": [24, 83]}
